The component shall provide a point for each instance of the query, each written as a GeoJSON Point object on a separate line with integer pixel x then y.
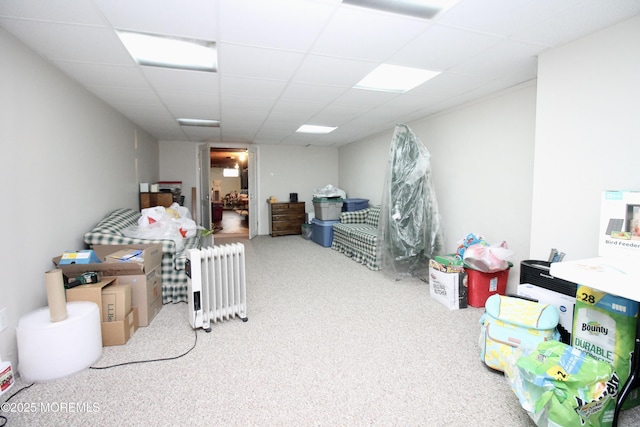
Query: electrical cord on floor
{"type": "Point", "coordinates": [195, 331]}
{"type": "Point", "coordinates": [2, 417]}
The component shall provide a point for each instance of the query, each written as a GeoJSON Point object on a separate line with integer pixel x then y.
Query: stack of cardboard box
{"type": "Point", "coordinates": [129, 292]}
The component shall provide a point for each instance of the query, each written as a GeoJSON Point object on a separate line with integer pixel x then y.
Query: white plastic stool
{"type": "Point", "coordinates": [49, 350]}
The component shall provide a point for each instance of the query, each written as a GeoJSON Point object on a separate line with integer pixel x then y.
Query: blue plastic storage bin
{"type": "Point", "coordinates": [349, 205]}
{"type": "Point", "coordinates": [322, 232]}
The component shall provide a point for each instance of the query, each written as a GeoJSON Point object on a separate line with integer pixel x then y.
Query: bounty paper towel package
{"type": "Point", "coordinates": [604, 327]}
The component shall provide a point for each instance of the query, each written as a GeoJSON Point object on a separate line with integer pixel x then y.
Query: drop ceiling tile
{"type": "Point", "coordinates": [70, 42]}
{"type": "Point", "coordinates": [282, 24]}
{"type": "Point", "coordinates": [245, 61]}
{"type": "Point", "coordinates": [247, 105]}
{"type": "Point", "coordinates": [499, 17]}
{"type": "Point", "coordinates": [237, 133]}
{"type": "Point", "coordinates": [337, 115]}
{"type": "Point", "coordinates": [195, 133]}
{"type": "Point", "coordinates": [324, 70]}
{"type": "Point", "coordinates": [289, 122]}
{"type": "Point", "coordinates": [449, 84]}
{"type": "Point", "coordinates": [364, 98]}
{"type": "Point", "coordinates": [171, 79]}
{"type": "Point", "coordinates": [126, 95]}
{"type": "Point", "coordinates": [297, 107]}
{"type": "Point", "coordinates": [193, 18]}
{"type": "Point", "coordinates": [151, 112]}
{"type": "Point", "coordinates": [235, 118]}
{"type": "Point", "coordinates": [571, 23]}
{"type": "Point", "coordinates": [77, 11]}
{"type": "Point", "coordinates": [312, 93]}
{"type": "Point", "coordinates": [249, 87]}
{"type": "Point", "coordinates": [376, 36]}
{"type": "Point", "coordinates": [191, 106]}
{"type": "Point", "coordinates": [270, 134]}
{"type": "Point", "coordinates": [426, 51]}
{"type": "Point", "coordinates": [104, 75]}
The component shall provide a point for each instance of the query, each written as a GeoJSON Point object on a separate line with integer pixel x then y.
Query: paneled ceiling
{"type": "Point", "coordinates": [284, 63]}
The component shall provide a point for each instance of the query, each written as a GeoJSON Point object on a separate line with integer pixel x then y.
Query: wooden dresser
{"type": "Point", "coordinates": [286, 218]}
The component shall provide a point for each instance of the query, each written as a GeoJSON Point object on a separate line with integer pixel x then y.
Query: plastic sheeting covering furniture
{"type": "Point", "coordinates": [409, 231]}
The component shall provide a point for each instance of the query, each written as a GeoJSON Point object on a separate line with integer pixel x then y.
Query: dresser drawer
{"type": "Point", "coordinates": [286, 218]}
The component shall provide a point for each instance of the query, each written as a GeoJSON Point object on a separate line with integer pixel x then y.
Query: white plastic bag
{"type": "Point", "coordinates": [159, 223]}
{"type": "Point", "coordinates": [329, 191]}
{"type": "Point", "coordinates": [488, 259]}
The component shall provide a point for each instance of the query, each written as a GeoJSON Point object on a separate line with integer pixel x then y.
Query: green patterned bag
{"type": "Point", "coordinates": [561, 386]}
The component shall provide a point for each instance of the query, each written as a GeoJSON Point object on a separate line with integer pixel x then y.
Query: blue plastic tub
{"type": "Point", "coordinates": [322, 232]}
{"type": "Point", "coordinates": [349, 205]}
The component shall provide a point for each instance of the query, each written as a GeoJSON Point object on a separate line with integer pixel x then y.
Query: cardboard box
{"type": "Point", "coordinates": [449, 259]}
{"type": "Point", "coordinates": [448, 285]}
{"type": "Point", "coordinates": [116, 302]}
{"type": "Point", "coordinates": [79, 257]}
{"type": "Point", "coordinates": [113, 333]}
{"type": "Point", "coordinates": [146, 294]}
{"type": "Point", "coordinates": [152, 255]}
{"type": "Point", "coordinates": [118, 333]}
{"type": "Point", "coordinates": [564, 303]}
{"type": "Point", "coordinates": [619, 224]}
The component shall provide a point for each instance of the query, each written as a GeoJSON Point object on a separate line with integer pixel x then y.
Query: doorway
{"type": "Point", "coordinates": [229, 186]}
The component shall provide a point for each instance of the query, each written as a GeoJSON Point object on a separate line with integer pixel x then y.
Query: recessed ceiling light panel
{"type": "Point", "coordinates": [395, 78]}
{"type": "Point", "coordinates": [315, 129]}
{"type": "Point", "coordinates": [199, 122]}
{"type": "Point", "coordinates": [425, 9]}
{"type": "Point", "coordinates": [170, 52]}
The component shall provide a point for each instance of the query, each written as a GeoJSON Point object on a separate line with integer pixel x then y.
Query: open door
{"type": "Point", "coordinates": [253, 191]}
{"type": "Point", "coordinates": [204, 159]}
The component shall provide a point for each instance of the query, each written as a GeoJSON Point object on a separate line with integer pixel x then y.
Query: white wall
{"type": "Point", "coordinates": [179, 162]}
{"type": "Point", "coordinates": [66, 160]}
{"type": "Point", "coordinates": [587, 136]}
{"type": "Point", "coordinates": [482, 163]}
{"type": "Point", "coordinates": [293, 169]}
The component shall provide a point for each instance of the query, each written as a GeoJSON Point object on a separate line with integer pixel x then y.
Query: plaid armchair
{"type": "Point", "coordinates": [356, 236]}
{"type": "Point", "coordinates": [174, 279]}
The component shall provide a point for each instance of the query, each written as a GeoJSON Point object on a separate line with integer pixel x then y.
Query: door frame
{"type": "Point", "coordinates": [253, 184]}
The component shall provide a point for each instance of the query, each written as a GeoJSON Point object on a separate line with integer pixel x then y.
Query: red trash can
{"type": "Point", "coordinates": [482, 285]}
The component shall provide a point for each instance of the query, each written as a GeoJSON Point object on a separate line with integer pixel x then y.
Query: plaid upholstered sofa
{"type": "Point", "coordinates": [356, 236]}
{"type": "Point", "coordinates": [174, 279]}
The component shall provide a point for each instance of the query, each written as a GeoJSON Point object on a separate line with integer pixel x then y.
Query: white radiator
{"type": "Point", "coordinates": [216, 285]}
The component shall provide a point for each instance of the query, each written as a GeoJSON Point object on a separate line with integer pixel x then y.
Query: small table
{"type": "Point", "coordinates": [618, 276]}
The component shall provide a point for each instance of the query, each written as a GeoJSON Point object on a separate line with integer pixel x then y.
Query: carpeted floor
{"type": "Point", "coordinates": [328, 343]}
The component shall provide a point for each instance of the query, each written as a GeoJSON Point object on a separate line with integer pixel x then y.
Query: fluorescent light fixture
{"type": "Point", "coordinates": [199, 122]}
{"type": "Point", "coordinates": [170, 52]}
{"type": "Point", "coordinates": [425, 9]}
{"type": "Point", "coordinates": [395, 78]}
{"type": "Point", "coordinates": [315, 129]}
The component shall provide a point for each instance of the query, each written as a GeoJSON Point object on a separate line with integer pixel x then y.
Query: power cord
{"type": "Point", "coordinates": [2, 417]}
{"type": "Point", "coordinates": [195, 332]}
{"type": "Point", "coordinates": [195, 342]}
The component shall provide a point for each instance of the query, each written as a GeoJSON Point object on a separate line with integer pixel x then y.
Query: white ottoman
{"type": "Point", "coordinates": [50, 350]}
